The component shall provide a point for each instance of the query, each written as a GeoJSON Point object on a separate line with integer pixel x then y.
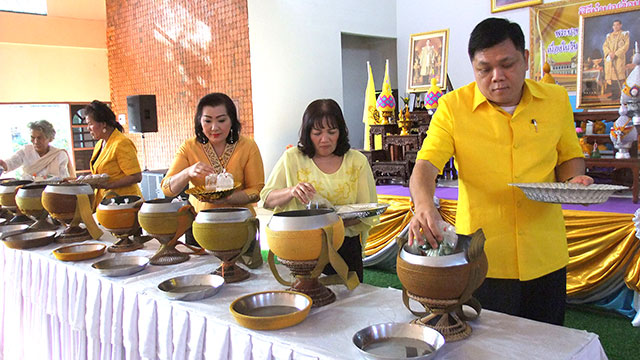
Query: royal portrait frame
{"type": "Point", "coordinates": [592, 85]}
{"type": "Point", "coordinates": [504, 5]}
{"type": "Point", "coordinates": [418, 74]}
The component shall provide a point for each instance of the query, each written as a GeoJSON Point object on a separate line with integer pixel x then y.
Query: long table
{"type": "Point", "coordinates": [51, 309]}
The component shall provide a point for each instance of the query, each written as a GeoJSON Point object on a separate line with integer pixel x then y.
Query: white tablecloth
{"type": "Point", "coordinates": [51, 309]}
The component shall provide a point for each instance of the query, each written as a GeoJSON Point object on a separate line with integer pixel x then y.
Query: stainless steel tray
{"type": "Point", "coordinates": [30, 239]}
{"type": "Point", "coordinates": [121, 266]}
{"type": "Point", "coordinates": [568, 193]}
{"type": "Point", "coordinates": [359, 211]}
{"type": "Point", "coordinates": [389, 341]}
{"type": "Point", "coordinates": [191, 287]}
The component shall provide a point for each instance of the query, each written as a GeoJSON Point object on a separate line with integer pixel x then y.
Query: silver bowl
{"type": "Point", "coordinates": [191, 287]}
{"type": "Point", "coordinates": [162, 206]}
{"type": "Point", "coordinates": [297, 220]}
{"type": "Point", "coordinates": [223, 215]}
{"type": "Point", "coordinates": [394, 341]}
{"type": "Point", "coordinates": [121, 266]}
{"type": "Point", "coordinates": [410, 255]}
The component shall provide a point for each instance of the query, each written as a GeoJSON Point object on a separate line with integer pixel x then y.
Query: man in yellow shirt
{"type": "Point", "coordinates": [504, 129]}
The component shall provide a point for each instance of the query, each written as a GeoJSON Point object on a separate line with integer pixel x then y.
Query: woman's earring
{"type": "Point", "coordinates": [104, 130]}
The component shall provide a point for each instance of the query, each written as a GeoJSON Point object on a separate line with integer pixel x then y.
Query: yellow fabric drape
{"type": "Point", "coordinates": [602, 245]}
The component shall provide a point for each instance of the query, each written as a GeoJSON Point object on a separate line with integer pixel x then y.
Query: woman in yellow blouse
{"type": "Point", "coordinates": [217, 146]}
{"type": "Point", "coordinates": [324, 164]}
{"type": "Point", "coordinates": [114, 154]}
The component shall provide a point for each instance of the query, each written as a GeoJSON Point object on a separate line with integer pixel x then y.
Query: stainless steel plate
{"type": "Point", "coordinates": [191, 287]}
{"type": "Point", "coordinates": [271, 310]}
{"type": "Point", "coordinates": [27, 240]}
{"type": "Point", "coordinates": [11, 229]}
{"type": "Point", "coordinates": [121, 266]}
{"type": "Point", "coordinates": [398, 341]}
{"type": "Point", "coordinates": [359, 211]}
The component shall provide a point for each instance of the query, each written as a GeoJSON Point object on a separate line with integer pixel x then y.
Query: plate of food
{"type": "Point", "coordinates": [207, 195]}
{"type": "Point", "coordinates": [359, 211]}
{"type": "Point", "coordinates": [568, 193]}
{"type": "Point", "coordinates": [94, 180]}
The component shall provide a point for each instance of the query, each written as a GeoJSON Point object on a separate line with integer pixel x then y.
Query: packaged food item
{"type": "Point", "coordinates": [210, 182]}
{"type": "Point", "coordinates": [448, 244]}
{"type": "Point", "coordinates": [319, 202]}
{"type": "Point", "coordinates": [224, 181]}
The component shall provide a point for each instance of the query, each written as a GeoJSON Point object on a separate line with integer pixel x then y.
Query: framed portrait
{"type": "Point", "coordinates": [605, 49]}
{"type": "Point", "coordinates": [427, 59]}
{"type": "Point", "coordinates": [502, 5]}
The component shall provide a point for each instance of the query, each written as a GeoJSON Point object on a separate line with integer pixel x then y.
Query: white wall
{"type": "Point", "coordinates": [356, 51]}
{"type": "Point", "coordinates": [296, 58]}
{"type": "Point", "coordinates": [460, 17]}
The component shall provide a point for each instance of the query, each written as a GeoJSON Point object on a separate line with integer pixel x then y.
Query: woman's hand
{"type": "Point", "coordinates": [303, 192]}
{"type": "Point", "coordinates": [199, 169]}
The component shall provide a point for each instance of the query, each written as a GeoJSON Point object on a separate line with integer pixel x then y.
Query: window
{"type": "Point", "coordinates": [38, 7]}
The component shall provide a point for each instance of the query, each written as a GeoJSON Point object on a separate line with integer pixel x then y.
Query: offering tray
{"type": "Point", "coordinates": [93, 180]}
{"type": "Point", "coordinates": [271, 310]}
{"type": "Point", "coordinates": [121, 266]}
{"type": "Point", "coordinates": [568, 193]}
{"type": "Point", "coordinates": [30, 239]}
{"type": "Point", "coordinates": [191, 287]}
{"type": "Point", "coordinates": [359, 211]}
{"type": "Point", "coordinates": [79, 252]}
{"type": "Point", "coordinates": [205, 195]}
{"type": "Point", "coordinates": [398, 341]}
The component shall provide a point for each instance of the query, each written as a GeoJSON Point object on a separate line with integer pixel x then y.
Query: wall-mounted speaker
{"type": "Point", "coordinates": [142, 113]}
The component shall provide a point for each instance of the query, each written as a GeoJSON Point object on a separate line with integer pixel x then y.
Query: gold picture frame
{"type": "Point", "coordinates": [428, 55]}
{"type": "Point", "coordinates": [600, 76]}
{"type": "Point", "coordinates": [503, 5]}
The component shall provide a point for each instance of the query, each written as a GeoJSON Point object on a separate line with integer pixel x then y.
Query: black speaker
{"type": "Point", "coordinates": [143, 117]}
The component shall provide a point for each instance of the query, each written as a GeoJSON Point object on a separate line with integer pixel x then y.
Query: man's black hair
{"type": "Point", "coordinates": [493, 31]}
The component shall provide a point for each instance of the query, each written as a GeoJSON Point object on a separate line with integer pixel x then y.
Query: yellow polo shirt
{"type": "Point", "coordinates": [525, 239]}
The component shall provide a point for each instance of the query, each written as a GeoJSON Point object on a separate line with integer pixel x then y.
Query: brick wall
{"type": "Point", "coordinates": [179, 51]}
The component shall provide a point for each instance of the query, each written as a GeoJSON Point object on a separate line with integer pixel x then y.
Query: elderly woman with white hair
{"type": "Point", "coordinates": [40, 160]}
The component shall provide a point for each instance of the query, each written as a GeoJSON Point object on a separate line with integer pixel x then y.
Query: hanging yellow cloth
{"type": "Point", "coordinates": [602, 245]}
